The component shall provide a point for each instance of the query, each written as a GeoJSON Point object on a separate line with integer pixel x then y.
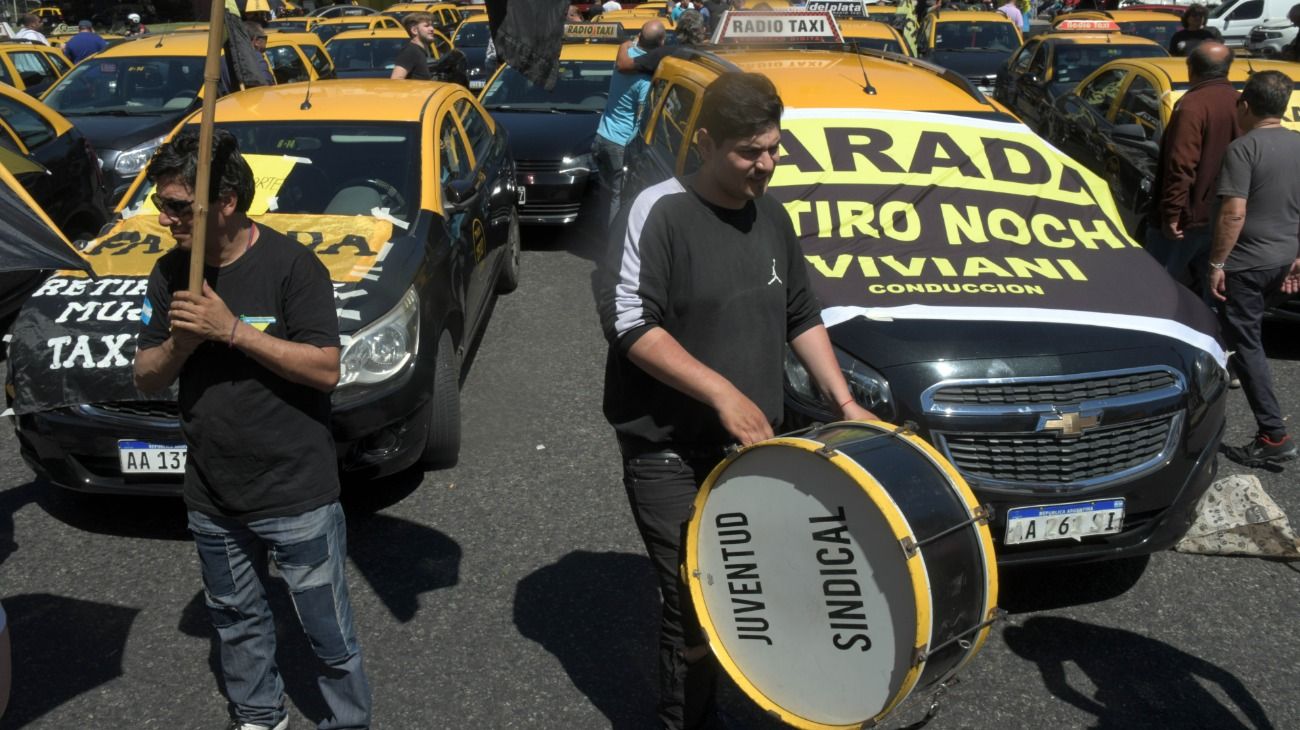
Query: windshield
{"type": "Point", "coordinates": [1159, 31]}
{"type": "Point", "coordinates": [327, 168]}
{"type": "Point", "coordinates": [364, 53]}
{"type": "Point", "coordinates": [992, 35]}
{"type": "Point", "coordinates": [1074, 62]}
{"type": "Point", "coordinates": [326, 32]}
{"type": "Point", "coordinates": [878, 44]}
{"type": "Point", "coordinates": [472, 35]}
{"type": "Point", "coordinates": [582, 86]}
{"type": "Point", "coordinates": [128, 85]}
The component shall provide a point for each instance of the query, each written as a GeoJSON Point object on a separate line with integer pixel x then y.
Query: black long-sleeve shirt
{"type": "Point", "coordinates": [730, 285]}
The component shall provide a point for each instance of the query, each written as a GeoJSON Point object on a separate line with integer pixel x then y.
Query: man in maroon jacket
{"type": "Point", "coordinates": [1203, 123]}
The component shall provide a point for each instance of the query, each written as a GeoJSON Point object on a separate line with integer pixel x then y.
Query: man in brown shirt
{"type": "Point", "coordinates": [1203, 123]}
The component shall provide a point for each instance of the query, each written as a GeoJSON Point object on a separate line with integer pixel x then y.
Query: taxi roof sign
{"type": "Point", "coordinates": [777, 25]}
{"type": "Point", "coordinates": [839, 8]}
{"type": "Point", "coordinates": [1089, 25]}
{"type": "Point", "coordinates": [593, 31]}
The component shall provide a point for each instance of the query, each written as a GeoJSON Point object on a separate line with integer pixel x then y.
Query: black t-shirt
{"type": "Point", "coordinates": [259, 445]}
{"type": "Point", "coordinates": [731, 286]}
{"type": "Point", "coordinates": [415, 59]}
{"type": "Point", "coordinates": [1185, 41]}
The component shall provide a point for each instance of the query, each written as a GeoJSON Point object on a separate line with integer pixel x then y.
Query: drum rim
{"type": "Point", "coordinates": [991, 586]}
{"type": "Point", "coordinates": [922, 594]}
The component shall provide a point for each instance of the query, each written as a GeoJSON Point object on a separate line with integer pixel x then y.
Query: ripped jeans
{"type": "Point", "coordinates": [310, 550]}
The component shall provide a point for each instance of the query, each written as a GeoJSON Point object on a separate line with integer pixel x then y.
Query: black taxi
{"type": "Point", "coordinates": [403, 189]}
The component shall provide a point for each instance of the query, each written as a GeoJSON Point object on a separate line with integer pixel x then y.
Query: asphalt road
{"type": "Point", "coordinates": [512, 591]}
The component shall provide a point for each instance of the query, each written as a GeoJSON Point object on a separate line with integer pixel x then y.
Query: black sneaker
{"type": "Point", "coordinates": [1262, 451]}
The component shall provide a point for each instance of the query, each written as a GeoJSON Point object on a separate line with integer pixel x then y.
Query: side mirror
{"type": "Point", "coordinates": [457, 193]}
{"type": "Point", "coordinates": [1135, 135]}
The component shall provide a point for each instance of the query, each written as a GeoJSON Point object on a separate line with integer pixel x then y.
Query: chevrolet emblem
{"type": "Point", "coordinates": [1070, 424]}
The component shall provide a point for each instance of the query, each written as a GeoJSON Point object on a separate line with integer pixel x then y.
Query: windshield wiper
{"type": "Point", "coordinates": [525, 109]}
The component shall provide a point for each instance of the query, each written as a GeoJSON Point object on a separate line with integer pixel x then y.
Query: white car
{"type": "Point", "coordinates": [1269, 38]}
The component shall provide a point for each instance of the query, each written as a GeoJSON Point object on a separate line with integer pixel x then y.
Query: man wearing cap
{"type": "Point", "coordinates": [85, 43]}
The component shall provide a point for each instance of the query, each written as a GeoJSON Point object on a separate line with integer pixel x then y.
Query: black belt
{"type": "Point", "coordinates": [679, 453]}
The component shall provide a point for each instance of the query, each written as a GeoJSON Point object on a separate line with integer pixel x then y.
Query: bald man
{"type": "Point", "coordinates": [1203, 123]}
{"type": "Point", "coordinates": [620, 121]}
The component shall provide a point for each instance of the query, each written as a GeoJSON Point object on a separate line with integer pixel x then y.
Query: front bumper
{"type": "Point", "coordinates": [77, 447]}
{"type": "Point", "coordinates": [551, 198]}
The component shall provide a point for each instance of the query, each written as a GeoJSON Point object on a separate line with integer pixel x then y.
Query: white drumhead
{"type": "Point", "coordinates": [783, 533]}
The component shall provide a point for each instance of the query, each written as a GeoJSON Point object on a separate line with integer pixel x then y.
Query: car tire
{"type": "Point", "coordinates": [442, 443]}
{"type": "Point", "coordinates": [508, 280]}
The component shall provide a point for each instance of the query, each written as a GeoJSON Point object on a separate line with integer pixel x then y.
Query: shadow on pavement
{"type": "Point", "coordinates": [598, 614]}
{"type": "Point", "coordinates": [157, 518]}
{"type": "Point", "coordinates": [401, 560]}
{"type": "Point", "coordinates": [61, 648]}
{"type": "Point", "coordinates": [1136, 682]}
{"type": "Point", "coordinates": [1035, 588]}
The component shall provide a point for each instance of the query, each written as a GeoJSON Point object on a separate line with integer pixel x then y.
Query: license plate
{"type": "Point", "coordinates": [476, 84]}
{"type": "Point", "coordinates": [1072, 521]}
{"type": "Point", "coordinates": [142, 457]}
{"type": "Point", "coordinates": [523, 195]}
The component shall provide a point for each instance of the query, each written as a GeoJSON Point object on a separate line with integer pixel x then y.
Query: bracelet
{"type": "Point", "coordinates": [231, 341]}
{"type": "Point", "coordinates": [845, 403]}
{"type": "Point", "coordinates": [1217, 266]}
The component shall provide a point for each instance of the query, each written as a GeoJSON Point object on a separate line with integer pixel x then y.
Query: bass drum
{"type": "Point", "coordinates": [838, 570]}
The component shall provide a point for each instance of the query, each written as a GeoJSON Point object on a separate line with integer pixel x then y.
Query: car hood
{"type": "Point", "coordinates": [970, 63]}
{"type": "Point", "coordinates": [544, 136]}
{"type": "Point", "coordinates": [73, 341]}
{"type": "Point", "coordinates": [122, 133]}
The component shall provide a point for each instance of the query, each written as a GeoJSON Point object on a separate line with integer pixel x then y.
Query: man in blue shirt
{"type": "Point", "coordinates": [619, 122]}
{"type": "Point", "coordinates": [85, 43]}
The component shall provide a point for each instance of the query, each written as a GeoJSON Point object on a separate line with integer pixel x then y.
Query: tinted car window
{"type": "Point", "coordinates": [129, 85]}
{"type": "Point", "coordinates": [326, 32]}
{"type": "Point", "coordinates": [286, 65]}
{"type": "Point", "coordinates": [30, 127]}
{"type": "Point", "coordinates": [476, 127]}
{"type": "Point", "coordinates": [360, 53]}
{"type": "Point", "coordinates": [4, 75]}
{"type": "Point", "coordinates": [60, 64]}
{"type": "Point", "coordinates": [33, 68]}
{"type": "Point", "coordinates": [1140, 105]}
{"type": "Point", "coordinates": [472, 35]}
{"type": "Point", "coordinates": [1102, 91]}
{"type": "Point", "coordinates": [455, 160]}
{"type": "Point", "coordinates": [878, 44]}
{"type": "Point", "coordinates": [582, 86]}
{"type": "Point", "coordinates": [1021, 62]}
{"type": "Point", "coordinates": [957, 34]}
{"type": "Point", "coordinates": [441, 46]}
{"type": "Point", "coordinates": [1160, 31]}
{"type": "Point", "coordinates": [671, 128]}
{"type": "Point", "coordinates": [319, 61]}
{"type": "Point", "coordinates": [1073, 63]}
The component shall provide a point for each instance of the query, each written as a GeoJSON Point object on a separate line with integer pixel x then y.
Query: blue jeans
{"type": "Point", "coordinates": [609, 166]}
{"type": "Point", "coordinates": [310, 550]}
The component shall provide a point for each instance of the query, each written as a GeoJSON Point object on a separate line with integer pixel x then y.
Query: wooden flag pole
{"type": "Point", "coordinates": [202, 183]}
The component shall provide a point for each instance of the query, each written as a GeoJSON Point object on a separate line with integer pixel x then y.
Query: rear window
{"type": "Point", "coordinates": [1072, 62]}
{"type": "Point", "coordinates": [958, 35]}
{"type": "Point", "coordinates": [879, 44]}
{"type": "Point", "coordinates": [1159, 31]}
{"type": "Point", "coordinates": [365, 53]}
{"type": "Point", "coordinates": [326, 32]}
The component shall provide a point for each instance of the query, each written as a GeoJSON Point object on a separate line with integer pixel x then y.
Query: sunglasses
{"type": "Point", "coordinates": [173, 208]}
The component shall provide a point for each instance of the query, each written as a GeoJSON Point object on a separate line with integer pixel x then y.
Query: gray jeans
{"type": "Point", "coordinates": [609, 165]}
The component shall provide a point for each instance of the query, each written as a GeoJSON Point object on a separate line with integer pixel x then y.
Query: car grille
{"type": "Point", "coordinates": [148, 409]}
{"type": "Point", "coordinates": [1054, 392]}
{"type": "Point", "coordinates": [550, 210]}
{"type": "Point", "coordinates": [1045, 458]}
{"type": "Point", "coordinates": [537, 165]}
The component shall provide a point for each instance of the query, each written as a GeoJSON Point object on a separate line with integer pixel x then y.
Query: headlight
{"type": "Point", "coordinates": [574, 165]}
{"type": "Point", "coordinates": [1210, 378]}
{"type": "Point", "coordinates": [134, 160]}
{"type": "Point", "coordinates": [868, 387]}
{"type": "Point", "coordinates": [476, 71]}
{"type": "Point", "coordinates": [382, 349]}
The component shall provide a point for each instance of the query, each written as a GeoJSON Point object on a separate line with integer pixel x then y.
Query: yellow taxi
{"type": "Point", "coordinates": [49, 15]}
{"type": "Point", "coordinates": [370, 54]}
{"type": "Point", "coordinates": [916, 206]}
{"type": "Point", "coordinates": [471, 39]}
{"type": "Point", "coordinates": [552, 132]}
{"type": "Point", "coordinates": [300, 24]}
{"type": "Point", "coordinates": [1155, 25]}
{"type": "Point", "coordinates": [330, 27]}
{"type": "Point", "coordinates": [633, 22]}
{"type": "Point", "coordinates": [405, 193]}
{"type": "Point", "coordinates": [31, 67]}
{"type": "Point", "coordinates": [297, 57]}
{"type": "Point", "coordinates": [446, 16]}
{"type": "Point", "coordinates": [127, 98]}
{"type": "Point", "coordinates": [1051, 64]}
{"type": "Point", "coordinates": [1112, 122]}
{"type": "Point", "coordinates": [875, 34]}
{"type": "Point", "coordinates": [973, 43]}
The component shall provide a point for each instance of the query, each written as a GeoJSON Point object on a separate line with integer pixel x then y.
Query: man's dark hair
{"type": "Point", "coordinates": [1267, 93]}
{"type": "Point", "coordinates": [30, 20]}
{"type": "Point", "coordinates": [231, 174]}
{"type": "Point", "coordinates": [414, 19]}
{"type": "Point", "coordinates": [1195, 10]}
{"type": "Point", "coordinates": [738, 105]}
{"type": "Point", "coordinates": [691, 29]}
{"type": "Point", "coordinates": [1203, 64]}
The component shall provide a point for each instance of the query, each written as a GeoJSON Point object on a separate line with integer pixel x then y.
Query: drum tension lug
{"type": "Point", "coordinates": [826, 452]}
{"type": "Point", "coordinates": [983, 514]}
{"type": "Point", "coordinates": [909, 546]}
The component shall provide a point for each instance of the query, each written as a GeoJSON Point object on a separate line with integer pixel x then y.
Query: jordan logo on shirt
{"type": "Point", "coordinates": [775, 279]}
